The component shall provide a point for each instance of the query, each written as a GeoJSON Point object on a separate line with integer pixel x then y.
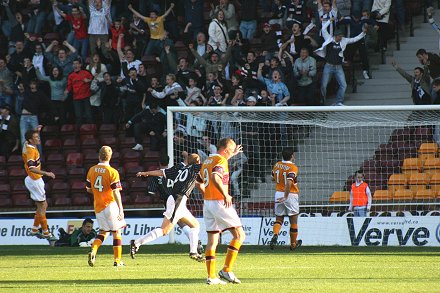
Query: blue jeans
{"type": "Point", "coordinates": [19, 104]}
{"type": "Point", "coordinates": [358, 5]}
{"type": "Point", "coordinates": [27, 122]}
{"type": "Point", "coordinates": [82, 46]}
{"type": "Point", "coordinates": [35, 24]}
{"type": "Point", "coordinates": [360, 211]}
{"type": "Point", "coordinates": [248, 28]}
{"type": "Point", "coordinates": [5, 99]}
{"type": "Point", "coordinates": [154, 46]}
{"type": "Point", "coordinates": [338, 72]}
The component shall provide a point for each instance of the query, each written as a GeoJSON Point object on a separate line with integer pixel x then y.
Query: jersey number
{"type": "Point", "coordinates": [205, 177]}
{"type": "Point", "coordinates": [98, 184]}
{"type": "Point", "coordinates": [277, 172]}
{"type": "Point", "coordinates": [181, 176]}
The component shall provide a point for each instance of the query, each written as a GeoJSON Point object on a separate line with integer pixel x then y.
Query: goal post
{"type": "Point", "coordinates": [394, 146]}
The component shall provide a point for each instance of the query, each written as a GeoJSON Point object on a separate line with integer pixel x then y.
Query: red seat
{"type": "Point", "coordinates": [81, 200]}
{"type": "Point", "coordinates": [107, 129]}
{"type": "Point", "coordinates": [74, 160]}
{"type": "Point", "coordinates": [19, 188]}
{"type": "Point", "coordinates": [2, 162]}
{"type": "Point", "coordinates": [17, 174]}
{"type": "Point", "coordinates": [89, 144]}
{"type": "Point", "coordinates": [54, 160]}
{"type": "Point", "coordinates": [76, 174]}
{"type": "Point", "coordinates": [68, 130]}
{"type": "Point", "coordinates": [22, 200]}
{"type": "Point", "coordinates": [5, 201]}
{"type": "Point", "coordinates": [151, 156]}
{"type": "Point", "coordinates": [78, 187]}
{"type": "Point", "coordinates": [60, 173]}
{"type": "Point", "coordinates": [3, 176]}
{"type": "Point", "coordinates": [60, 187]}
{"type": "Point", "coordinates": [70, 145]}
{"type": "Point", "coordinates": [141, 198]}
{"type": "Point", "coordinates": [15, 161]}
{"type": "Point", "coordinates": [126, 199]}
{"type": "Point", "coordinates": [131, 156]}
{"type": "Point", "coordinates": [139, 186]}
{"type": "Point", "coordinates": [88, 129]}
{"type": "Point", "coordinates": [126, 142]}
{"type": "Point", "coordinates": [50, 131]}
{"type": "Point", "coordinates": [62, 201]}
{"type": "Point", "coordinates": [109, 141]}
{"type": "Point", "coordinates": [53, 145]}
{"type": "Point", "coordinates": [5, 189]}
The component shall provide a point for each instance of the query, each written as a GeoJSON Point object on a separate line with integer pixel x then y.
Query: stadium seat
{"type": "Point", "coordinates": [423, 134]}
{"type": "Point", "coordinates": [402, 134]}
{"type": "Point", "coordinates": [418, 181]}
{"type": "Point", "coordinates": [141, 198]}
{"type": "Point", "coordinates": [139, 186]}
{"type": "Point", "coordinates": [53, 145]}
{"type": "Point", "coordinates": [67, 131]}
{"type": "Point", "coordinates": [62, 201]}
{"type": "Point", "coordinates": [428, 150]}
{"type": "Point", "coordinates": [340, 196]}
{"type": "Point", "coordinates": [130, 156]}
{"type": "Point", "coordinates": [383, 195]}
{"type": "Point", "coordinates": [50, 132]}
{"type": "Point", "coordinates": [74, 160]}
{"type": "Point", "coordinates": [89, 144]}
{"type": "Point", "coordinates": [17, 174]}
{"type": "Point", "coordinates": [15, 161]}
{"type": "Point", "coordinates": [76, 174]}
{"type": "Point", "coordinates": [60, 173]}
{"type": "Point", "coordinates": [126, 142]}
{"type": "Point", "coordinates": [78, 187]}
{"type": "Point", "coordinates": [426, 194]}
{"type": "Point", "coordinates": [131, 169]}
{"type": "Point", "coordinates": [22, 200]}
{"type": "Point", "coordinates": [403, 194]}
{"type": "Point", "coordinates": [432, 165]}
{"type": "Point", "coordinates": [151, 156]}
{"type": "Point", "coordinates": [70, 145]}
{"type": "Point", "coordinates": [111, 141]}
{"type": "Point", "coordinates": [60, 188]}
{"type": "Point", "coordinates": [18, 188]}
{"type": "Point", "coordinates": [88, 129]}
{"type": "Point", "coordinates": [5, 201]}
{"type": "Point", "coordinates": [405, 150]}
{"type": "Point", "coordinates": [397, 182]}
{"type": "Point", "coordinates": [81, 200]}
{"type": "Point", "coordinates": [3, 176]}
{"type": "Point", "coordinates": [54, 160]}
{"type": "Point", "coordinates": [434, 182]}
{"type": "Point", "coordinates": [2, 162]}
{"type": "Point", "coordinates": [107, 129]}
{"type": "Point", "coordinates": [412, 165]}
{"type": "Point", "coordinates": [5, 189]}
{"type": "Point", "coordinates": [369, 166]}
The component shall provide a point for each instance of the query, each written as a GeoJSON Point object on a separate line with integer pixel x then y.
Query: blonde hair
{"type": "Point", "coordinates": [193, 159]}
{"type": "Point", "coordinates": [105, 153]}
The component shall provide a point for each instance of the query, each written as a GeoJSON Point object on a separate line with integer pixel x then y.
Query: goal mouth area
{"type": "Point", "coordinates": [331, 144]}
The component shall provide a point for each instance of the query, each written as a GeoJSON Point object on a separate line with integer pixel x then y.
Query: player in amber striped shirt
{"type": "Point", "coordinates": [285, 174]}
{"type": "Point", "coordinates": [34, 181]}
{"type": "Point", "coordinates": [218, 212]}
{"type": "Point", "coordinates": [103, 182]}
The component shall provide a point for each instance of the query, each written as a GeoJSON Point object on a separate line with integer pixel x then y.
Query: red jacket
{"type": "Point", "coordinates": [77, 85]}
{"type": "Point", "coordinates": [115, 37]}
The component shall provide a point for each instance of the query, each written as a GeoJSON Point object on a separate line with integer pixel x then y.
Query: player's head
{"type": "Point", "coordinates": [33, 137]}
{"type": "Point", "coordinates": [288, 154]}
{"type": "Point", "coordinates": [163, 161]}
{"type": "Point", "coordinates": [193, 159]}
{"type": "Point", "coordinates": [105, 153]}
{"type": "Point", "coordinates": [87, 226]}
{"type": "Point", "coordinates": [226, 147]}
{"type": "Point", "coordinates": [359, 176]}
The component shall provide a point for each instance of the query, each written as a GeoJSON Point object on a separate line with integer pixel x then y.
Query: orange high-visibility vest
{"type": "Point", "coordinates": [360, 198]}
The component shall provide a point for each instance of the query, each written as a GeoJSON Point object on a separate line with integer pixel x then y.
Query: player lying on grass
{"type": "Point", "coordinates": [183, 179]}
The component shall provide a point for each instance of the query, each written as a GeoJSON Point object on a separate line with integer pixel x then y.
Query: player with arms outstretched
{"type": "Point", "coordinates": [183, 180]}
{"type": "Point", "coordinates": [34, 181]}
{"type": "Point", "coordinates": [218, 212]}
{"type": "Point", "coordinates": [104, 183]}
{"type": "Point", "coordinates": [285, 174]}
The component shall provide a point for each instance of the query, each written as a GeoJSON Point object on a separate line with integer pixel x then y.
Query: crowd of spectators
{"type": "Point", "coordinates": [126, 61]}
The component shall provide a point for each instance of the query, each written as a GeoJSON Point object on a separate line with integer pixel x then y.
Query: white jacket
{"type": "Point", "coordinates": [328, 39]}
{"type": "Point", "coordinates": [216, 35]}
{"type": "Point", "coordinates": [383, 6]}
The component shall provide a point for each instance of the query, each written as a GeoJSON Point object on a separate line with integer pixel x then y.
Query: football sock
{"type": "Point", "coordinates": [117, 248]}
{"type": "Point", "coordinates": [186, 229]}
{"type": "Point", "coordinates": [98, 241]}
{"type": "Point", "coordinates": [152, 235]}
{"type": "Point", "coordinates": [293, 233]}
{"type": "Point", "coordinates": [231, 255]}
{"type": "Point", "coordinates": [36, 222]}
{"type": "Point", "coordinates": [43, 222]}
{"type": "Point", "coordinates": [277, 227]}
{"type": "Point", "coordinates": [193, 239]}
{"type": "Point", "coordinates": [210, 263]}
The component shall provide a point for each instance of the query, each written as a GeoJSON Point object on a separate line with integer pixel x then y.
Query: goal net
{"type": "Point", "coordinates": [395, 147]}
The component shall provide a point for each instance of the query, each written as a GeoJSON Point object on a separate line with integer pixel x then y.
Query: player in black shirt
{"type": "Point", "coordinates": [180, 180]}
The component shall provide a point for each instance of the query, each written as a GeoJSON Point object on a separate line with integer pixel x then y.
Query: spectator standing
{"type": "Point", "coordinates": [277, 89]}
{"type": "Point", "coordinates": [332, 50]}
{"type": "Point", "coordinates": [9, 131]}
{"type": "Point", "coordinates": [134, 92]}
{"type": "Point", "coordinates": [218, 33]}
{"type": "Point", "coordinates": [420, 89]}
{"type": "Point", "coordinates": [169, 94]}
{"type": "Point", "coordinates": [304, 70]}
{"type": "Point", "coordinates": [18, 27]}
{"type": "Point", "coordinates": [38, 13]}
{"type": "Point", "coordinates": [127, 60]}
{"type": "Point", "coordinates": [278, 13]}
{"type": "Point", "coordinates": [360, 196]}
{"type": "Point", "coordinates": [97, 69]}
{"type": "Point", "coordinates": [229, 13]}
{"type": "Point", "coordinates": [38, 59]}
{"type": "Point", "coordinates": [194, 16]}
{"type": "Point", "coordinates": [99, 22]}
{"type": "Point", "coordinates": [248, 23]}
{"type": "Point", "coordinates": [360, 5]}
{"type": "Point", "coordinates": [116, 30]}
{"type": "Point", "coordinates": [138, 30]}
{"type": "Point", "coordinates": [269, 43]}
{"type": "Point", "coordinates": [78, 84]}
{"type": "Point", "coordinates": [109, 96]}
{"type": "Point", "coordinates": [215, 63]}
{"type": "Point", "coordinates": [381, 13]}
{"type": "Point", "coordinates": [328, 11]}
{"type": "Point", "coordinates": [62, 60]}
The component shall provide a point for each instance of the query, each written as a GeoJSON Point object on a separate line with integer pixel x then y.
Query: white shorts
{"type": "Point", "coordinates": [108, 218]}
{"type": "Point", "coordinates": [176, 210]}
{"type": "Point", "coordinates": [218, 218]}
{"type": "Point", "coordinates": [36, 188]}
{"type": "Point", "coordinates": [289, 207]}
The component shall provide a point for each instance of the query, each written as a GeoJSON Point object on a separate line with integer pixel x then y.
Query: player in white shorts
{"type": "Point", "coordinates": [219, 213]}
{"type": "Point", "coordinates": [285, 174]}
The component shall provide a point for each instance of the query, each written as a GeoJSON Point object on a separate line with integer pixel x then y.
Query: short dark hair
{"type": "Point", "coordinates": [132, 68]}
{"type": "Point", "coordinates": [252, 52]}
{"type": "Point", "coordinates": [287, 153]}
{"type": "Point", "coordinates": [29, 134]}
{"type": "Point", "coordinates": [436, 82]}
{"type": "Point", "coordinates": [77, 59]}
{"type": "Point", "coordinates": [359, 172]}
{"type": "Point", "coordinates": [164, 160]}
{"type": "Point", "coordinates": [421, 52]}
{"type": "Point", "coordinates": [87, 220]}
{"type": "Point", "coordinates": [420, 68]}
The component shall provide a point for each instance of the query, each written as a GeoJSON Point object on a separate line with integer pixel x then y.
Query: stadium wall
{"type": "Point", "coordinates": [316, 231]}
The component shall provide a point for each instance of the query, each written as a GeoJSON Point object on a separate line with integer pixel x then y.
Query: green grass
{"type": "Point", "coordinates": [167, 268]}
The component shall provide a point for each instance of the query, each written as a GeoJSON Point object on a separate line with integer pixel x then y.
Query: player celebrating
{"type": "Point", "coordinates": [218, 212]}
{"type": "Point", "coordinates": [103, 182]}
{"type": "Point", "coordinates": [34, 181]}
{"type": "Point", "coordinates": [285, 174]}
{"type": "Point", "coordinates": [183, 180]}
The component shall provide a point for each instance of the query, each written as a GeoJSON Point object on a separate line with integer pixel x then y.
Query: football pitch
{"type": "Point", "coordinates": [167, 268]}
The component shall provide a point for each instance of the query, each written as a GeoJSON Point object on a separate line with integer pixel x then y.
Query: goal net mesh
{"type": "Point", "coordinates": [396, 150]}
